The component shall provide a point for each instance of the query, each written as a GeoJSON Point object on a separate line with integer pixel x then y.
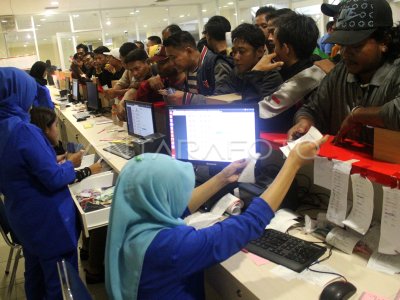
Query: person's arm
{"type": "Point", "coordinates": [199, 249]}
{"type": "Point", "coordinates": [299, 156]}
{"type": "Point", "coordinates": [41, 160]}
{"type": "Point", "coordinates": [222, 72]}
{"type": "Point", "coordinates": [371, 116]}
{"type": "Point", "coordinates": [204, 192]}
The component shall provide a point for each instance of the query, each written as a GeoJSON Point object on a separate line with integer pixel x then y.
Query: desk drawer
{"type": "Point", "coordinates": [97, 218]}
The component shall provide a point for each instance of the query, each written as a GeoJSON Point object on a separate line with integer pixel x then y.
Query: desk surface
{"type": "Point", "coordinates": [258, 281]}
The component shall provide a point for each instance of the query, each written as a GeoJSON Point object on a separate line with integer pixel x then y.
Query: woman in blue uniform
{"type": "Point", "coordinates": [38, 203]}
{"type": "Point", "coordinates": [151, 253]}
{"type": "Point", "coordinates": [39, 73]}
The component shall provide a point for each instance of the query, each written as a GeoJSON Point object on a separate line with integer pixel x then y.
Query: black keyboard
{"type": "Point", "coordinates": [122, 150]}
{"type": "Point", "coordinates": [286, 250]}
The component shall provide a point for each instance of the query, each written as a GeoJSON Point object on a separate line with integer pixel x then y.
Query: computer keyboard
{"type": "Point", "coordinates": [122, 150]}
{"type": "Point", "coordinates": [81, 115]}
{"type": "Point", "coordinates": [286, 250]}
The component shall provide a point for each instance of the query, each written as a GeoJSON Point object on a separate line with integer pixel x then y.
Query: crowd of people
{"type": "Point", "coordinates": [343, 83]}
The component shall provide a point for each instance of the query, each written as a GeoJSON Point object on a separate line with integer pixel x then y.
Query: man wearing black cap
{"type": "Point", "coordinates": [363, 90]}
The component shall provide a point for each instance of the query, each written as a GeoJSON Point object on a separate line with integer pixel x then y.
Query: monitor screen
{"type": "Point", "coordinates": [213, 134]}
{"type": "Point", "coordinates": [93, 101]}
{"type": "Point", "coordinates": [140, 118]}
{"type": "Point", "coordinates": [75, 89]}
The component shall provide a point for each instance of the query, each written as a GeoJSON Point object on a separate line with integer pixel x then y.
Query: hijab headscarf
{"type": "Point", "coordinates": [37, 72]}
{"type": "Point", "coordinates": [152, 192]}
{"type": "Point", "coordinates": [17, 92]}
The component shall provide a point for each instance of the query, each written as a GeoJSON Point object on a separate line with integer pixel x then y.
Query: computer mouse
{"type": "Point", "coordinates": [338, 290]}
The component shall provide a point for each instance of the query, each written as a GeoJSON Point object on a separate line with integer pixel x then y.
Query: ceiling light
{"type": "Point", "coordinates": [69, 39]}
{"type": "Point", "coordinates": [181, 16]}
{"type": "Point", "coordinates": [44, 39]}
{"type": "Point", "coordinates": [165, 20]}
{"type": "Point", "coordinates": [106, 34]}
{"type": "Point", "coordinates": [28, 36]}
{"type": "Point", "coordinates": [137, 11]}
{"type": "Point", "coordinates": [144, 26]}
{"type": "Point", "coordinates": [4, 21]}
{"type": "Point", "coordinates": [99, 39]}
{"type": "Point", "coordinates": [225, 6]}
{"type": "Point", "coordinates": [235, 14]}
{"type": "Point", "coordinates": [204, 10]}
{"type": "Point", "coordinates": [132, 13]}
{"type": "Point", "coordinates": [54, 3]}
{"type": "Point", "coordinates": [25, 46]}
{"type": "Point", "coordinates": [108, 22]}
{"type": "Point", "coordinates": [43, 20]}
{"type": "Point", "coordinates": [75, 16]}
{"type": "Point", "coordinates": [230, 3]}
{"type": "Point", "coordinates": [38, 25]}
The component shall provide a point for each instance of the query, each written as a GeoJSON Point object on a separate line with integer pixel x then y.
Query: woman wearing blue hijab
{"type": "Point", "coordinates": [38, 203]}
{"type": "Point", "coordinates": [151, 253]}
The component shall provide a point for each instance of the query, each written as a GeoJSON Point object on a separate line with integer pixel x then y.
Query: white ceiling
{"type": "Point", "coordinates": [16, 7]}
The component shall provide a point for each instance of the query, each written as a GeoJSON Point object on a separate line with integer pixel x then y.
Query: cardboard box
{"type": "Point", "coordinates": [387, 145]}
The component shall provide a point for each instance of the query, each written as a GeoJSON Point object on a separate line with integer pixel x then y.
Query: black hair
{"type": "Point", "coordinates": [172, 28]}
{"type": "Point", "coordinates": [42, 117]}
{"type": "Point", "coordinates": [292, 26]}
{"type": "Point", "coordinates": [135, 55]}
{"type": "Point", "coordinates": [180, 39]}
{"type": "Point", "coordinates": [278, 13]}
{"type": "Point", "coordinates": [216, 27]}
{"type": "Point", "coordinates": [139, 44]}
{"type": "Point", "coordinates": [89, 53]}
{"type": "Point", "coordinates": [84, 47]}
{"type": "Point", "coordinates": [249, 33]}
{"type": "Point", "coordinates": [155, 39]}
{"type": "Point", "coordinates": [101, 50]}
{"type": "Point", "coordinates": [126, 48]}
{"type": "Point", "coordinates": [391, 37]}
{"type": "Point", "coordinates": [38, 69]}
{"type": "Point", "coordinates": [329, 25]}
{"type": "Point", "coordinates": [201, 43]}
{"type": "Point", "coordinates": [265, 10]}
{"type": "Point", "coordinates": [75, 56]}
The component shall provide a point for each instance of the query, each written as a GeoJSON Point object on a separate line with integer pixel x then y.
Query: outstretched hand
{"type": "Point", "coordinates": [306, 151]}
{"type": "Point", "coordinates": [232, 172]}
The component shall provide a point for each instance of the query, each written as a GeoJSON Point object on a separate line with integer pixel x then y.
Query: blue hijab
{"type": "Point", "coordinates": [17, 92]}
{"type": "Point", "coordinates": [152, 192]}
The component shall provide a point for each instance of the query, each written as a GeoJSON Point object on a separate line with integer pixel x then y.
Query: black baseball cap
{"type": "Point", "coordinates": [330, 10]}
{"type": "Point", "coordinates": [358, 19]}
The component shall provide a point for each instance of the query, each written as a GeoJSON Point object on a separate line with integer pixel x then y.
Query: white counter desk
{"type": "Point", "coordinates": [240, 277]}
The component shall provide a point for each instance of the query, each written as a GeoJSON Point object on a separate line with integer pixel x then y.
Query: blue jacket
{"type": "Point", "coordinates": [38, 202]}
{"type": "Point", "coordinates": [43, 98]}
{"type": "Point", "coordinates": [174, 262]}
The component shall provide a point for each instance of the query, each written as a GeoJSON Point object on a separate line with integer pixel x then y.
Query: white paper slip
{"type": "Point", "coordinates": [202, 220]}
{"type": "Point", "coordinates": [337, 207]}
{"type": "Point", "coordinates": [247, 174]}
{"type": "Point", "coordinates": [342, 240]}
{"type": "Point", "coordinates": [389, 264]}
{"type": "Point", "coordinates": [389, 242]}
{"type": "Point", "coordinates": [283, 220]}
{"type": "Point", "coordinates": [87, 160]}
{"type": "Point", "coordinates": [323, 172]}
{"type": "Point", "coordinates": [102, 120]}
{"type": "Point", "coordinates": [312, 135]}
{"type": "Point", "coordinates": [361, 213]}
{"type": "Point", "coordinates": [321, 279]}
{"type": "Point", "coordinates": [228, 203]}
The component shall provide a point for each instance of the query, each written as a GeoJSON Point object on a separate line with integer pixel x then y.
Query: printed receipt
{"type": "Point", "coordinates": [312, 135]}
{"type": "Point", "coordinates": [247, 174]}
{"type": "Point", "coordinates": [389, 242]}
{"type": "Point", "coordinates": [360, 216]}
{"type": "Point", "coordinates": [323, 172]}
{"type": "Point", "coordinates": [342, 240]}
{"type": "Point", "coordinates": [337, 207]}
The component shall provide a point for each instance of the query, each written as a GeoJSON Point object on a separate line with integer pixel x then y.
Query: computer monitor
{"type": "Point", "coordinates": [213, 135]}
{"type": "Point", "coordinates": [140, 118]}
{"type": "Point", "coordinates": [67, 84]}
{"type": "Point", "coordinates": [93, 100]}
{"type": "Point", "coordinates": [75, 89]}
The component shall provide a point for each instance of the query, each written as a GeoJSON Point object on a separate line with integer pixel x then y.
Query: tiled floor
{"type": "Point", "coordinates": [97, 291]}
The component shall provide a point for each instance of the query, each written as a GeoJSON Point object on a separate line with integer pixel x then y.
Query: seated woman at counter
{"type": "Point", "coordinates": [151, 253]}
{"type": "Point", "coordinates": [46, 119]}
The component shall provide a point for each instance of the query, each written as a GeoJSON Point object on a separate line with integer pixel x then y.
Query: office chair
{"type": "Point", "coordinates": [72, 285]}
{"type": "Point", "coordinates": [11, 241]}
